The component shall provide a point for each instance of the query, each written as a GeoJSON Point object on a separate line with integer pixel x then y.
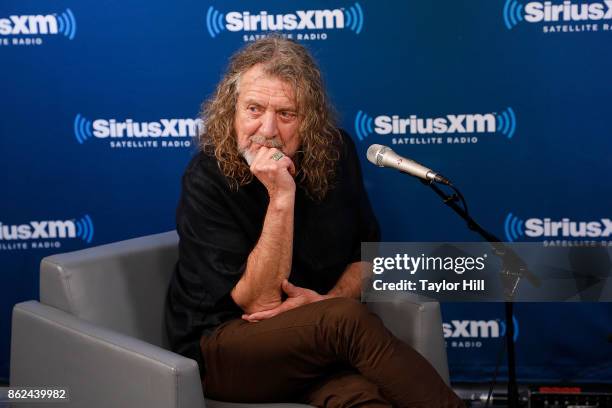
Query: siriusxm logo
{"type": "Point", "coordinates": [82, 228]}
{"type": "Point", "coordinates": [516, 228]}
{"type": "Point", "coordinates": [478, 329]}
{"type": "Point", "coordinates": [503, 123]}
{"type": "Point", "coordinates": [85, 129]}
{"type": "Point", "coordinates": [549, 12]}
{"type": "Point", "coordinates": [234, 21]}
{"type": "Point", "coordinates": [50, 24]}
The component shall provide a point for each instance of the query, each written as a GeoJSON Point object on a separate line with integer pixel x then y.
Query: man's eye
{"type": "Point", "coordinates": [287, 114]}
{"type": "Point", "coordinates": [253, 109]}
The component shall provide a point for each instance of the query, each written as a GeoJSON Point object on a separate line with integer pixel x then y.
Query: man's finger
{"type": "Point", "coordinates": [257, 316]}
{"type": "Point", "coordinates": [290, 165]}
{"type": "Point", "coordinates": [249, 319]}
{"type": "Point", "coordinates": [263, 151]}
{"type": "Point", "coordinates": [265, 314]}
{"type": "Point", "coordinates": [290, 289]}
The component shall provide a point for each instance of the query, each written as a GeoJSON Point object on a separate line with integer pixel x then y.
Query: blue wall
{"type": "Point", "coordinates": [536, 106]}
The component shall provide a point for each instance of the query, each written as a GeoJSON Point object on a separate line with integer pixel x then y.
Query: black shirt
{"type": "Point", "coordinates": [218, 228]}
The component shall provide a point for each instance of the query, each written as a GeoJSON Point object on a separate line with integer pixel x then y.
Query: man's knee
{"type": "Point", "coordinates": [345, 308]}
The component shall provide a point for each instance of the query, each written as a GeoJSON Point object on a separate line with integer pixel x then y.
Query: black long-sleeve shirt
{"type": "Point", "coordinates": [218, 228]}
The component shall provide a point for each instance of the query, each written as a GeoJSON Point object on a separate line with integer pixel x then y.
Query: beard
{"type": "Point", "coordinates": [249, 153]}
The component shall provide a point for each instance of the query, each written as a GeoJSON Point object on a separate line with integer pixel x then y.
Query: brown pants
{"type": "Point", "coordinates": [333, 353]}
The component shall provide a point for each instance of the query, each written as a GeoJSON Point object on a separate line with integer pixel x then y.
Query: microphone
{"type": "Point", "coordinates": [383, 156]}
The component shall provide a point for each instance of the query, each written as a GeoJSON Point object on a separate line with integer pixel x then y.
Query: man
{"type": "Point", "coordinates": [271, 217]}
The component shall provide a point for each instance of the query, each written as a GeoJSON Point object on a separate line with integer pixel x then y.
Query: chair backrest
{"type": "Point", "coordinates": [121, 286]}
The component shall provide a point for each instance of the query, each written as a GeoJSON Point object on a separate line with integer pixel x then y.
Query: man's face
{"type": "Point", "coordinates": [266, 114]}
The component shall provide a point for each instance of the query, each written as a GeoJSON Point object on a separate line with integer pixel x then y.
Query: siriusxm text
{"type": "Point", "coordinates": [471, 329]}
{"type": "Point", "coordinates": [28, 25]}
{"type": "Point", "coordinates": [103, 128]}
{"type": "Point", "coordinates": [465, 123]}
{"type": "Point", "coordinates": [537, 227]}
{"type": "Point", "coordinates": [300, 20]}
{"type": "Point", "coordinates": [536, 12]}
{"type": "Point", "coordinates": [38, 230]}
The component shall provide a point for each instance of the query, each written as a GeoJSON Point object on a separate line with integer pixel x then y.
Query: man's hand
{"type": "Point", "coordinates": [259, 287]}
{"type": "Point", "coordinates": [275, 175]}
{"type": "Point", "coordinates": [296, 296]}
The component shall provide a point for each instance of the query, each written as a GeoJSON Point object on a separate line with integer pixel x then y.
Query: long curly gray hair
{"type": "Point", "coordinates": [318, 133]}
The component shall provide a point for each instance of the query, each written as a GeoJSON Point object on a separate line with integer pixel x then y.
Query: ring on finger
{"type": "Point", "coordinates": [277, 156]}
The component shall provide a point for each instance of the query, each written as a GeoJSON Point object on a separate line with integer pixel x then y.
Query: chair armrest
{"type": "Point", "coordinates": [417, 321]}
{"type": "Point", "coordinates": [100, 367]}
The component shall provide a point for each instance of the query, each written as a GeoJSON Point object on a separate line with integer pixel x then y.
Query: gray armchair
{"type": "Point", "coordinates": [98, 330]}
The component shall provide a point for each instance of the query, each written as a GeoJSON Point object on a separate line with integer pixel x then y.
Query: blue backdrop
{"type": "Point", "coordinates": [509, 99]}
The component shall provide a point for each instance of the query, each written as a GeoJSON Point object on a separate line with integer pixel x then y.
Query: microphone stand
{"type": "Point", "coordinates": [511, 262]}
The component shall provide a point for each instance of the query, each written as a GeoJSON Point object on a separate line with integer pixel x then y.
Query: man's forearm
{"type": "Point", "coordinates": [349, 283]}
{"type": "Point", "coordinates": [269, 262]}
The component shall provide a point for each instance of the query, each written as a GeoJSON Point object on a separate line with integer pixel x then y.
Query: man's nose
{"type": "Point", "coordinates": [268, 127]}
